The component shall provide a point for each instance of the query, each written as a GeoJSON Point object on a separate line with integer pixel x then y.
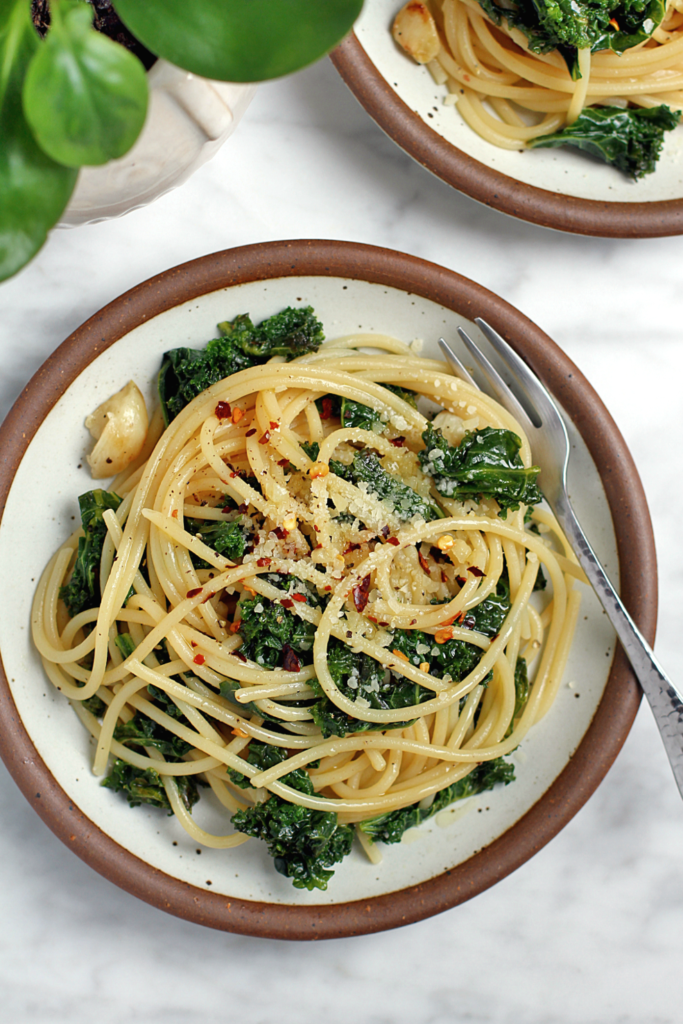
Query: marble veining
{"type": "Point", "coordinates": [590, 930]}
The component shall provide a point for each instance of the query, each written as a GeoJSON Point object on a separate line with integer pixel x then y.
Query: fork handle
{"type": "Point", "coordinates": [664, 698]}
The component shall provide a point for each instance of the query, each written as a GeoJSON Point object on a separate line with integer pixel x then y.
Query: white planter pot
{"type": "Point", "coordinates": [188, 119]}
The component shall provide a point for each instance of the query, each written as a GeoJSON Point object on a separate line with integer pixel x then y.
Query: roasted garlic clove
{"type": "Point", "coordinates": [415, 30]}
{"type": "Point", "coordinates": [119, 426]}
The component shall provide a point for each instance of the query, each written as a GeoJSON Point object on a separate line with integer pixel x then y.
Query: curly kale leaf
{"type": "Point", "coordinates": [522, 691]}
{"type": "Point", "coordinates": [83, 589]}
{"type": "Point", "coordinates": [229, 538]}
{"type": "Point", "coordinates": [266, 627]}
{"type": "Point", "coordinates": [573, 25]}
{"type": "Point", "coordinates": [293, 332]}
{"type": "Point", "coordinates": [485, 464]}
{"type": "Point", "coordinates": [360, 676]}
{"type": "Point", "coordinates": [405, 502]}
{"type": "Point", "coordinates": [145, 786]}
{"type": "Point", "coordinates": [186, 372]}
{"type": "Point", "coordinates": [304, 844]}
{"type": "Point", "coordinates": [264, 756]}
{"type": "Point", "coordinates": [355, 414]}
{"type": "Point", "coordinates": [389, 828]}
{"type": "Point", "coordinates": [456, 658]}
{"type": "Point", "coordinates": [631, 140]}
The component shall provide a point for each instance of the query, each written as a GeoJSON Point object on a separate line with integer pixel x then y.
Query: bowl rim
{"type": "Point", "coordinates": [614, 715]}
{"type": "Point", "coordinates": [599, 218]}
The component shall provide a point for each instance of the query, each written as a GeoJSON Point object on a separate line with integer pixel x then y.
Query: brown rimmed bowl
{"type": "Point", "coordinates": [461, 852]}
{"type": "Point", "coordinates": [555, 188]}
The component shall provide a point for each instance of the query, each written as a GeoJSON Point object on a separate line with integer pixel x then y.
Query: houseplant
{"type": "Point", "coordinates": [76, 98]}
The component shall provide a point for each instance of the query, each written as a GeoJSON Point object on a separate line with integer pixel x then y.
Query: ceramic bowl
{"type": "Point", "coordinates": [189, 119]}
{"type": "Point", "coordinates": [460, 852]}
{"type": "Point", "coordinates": [557, 188]}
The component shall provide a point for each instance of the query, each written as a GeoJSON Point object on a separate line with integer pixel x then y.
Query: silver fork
{"type": "Point", "coordinates": [523, 395]}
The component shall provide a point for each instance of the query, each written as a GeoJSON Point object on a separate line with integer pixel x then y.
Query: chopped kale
{"type": "Point", "coordinates": [304, 844]}
{"type": "Point", "coordinates": [631, 140]}
{"type": "Point", "coordinates": [267, 628]}
{"type": "Point", "coordinates": [360, 676]}
{"type": "Point", "coordinates": [145, 786]}
{"type": "Point", "coordinates": [141, 731]}
{"type": "Point", "coordinates": [95, 705]}
{"type": "Point", "coordinates": [83, 589]}
{"type": "Point", "coordinates": [406, 502]}
{"type": "Point", "coordinates": [186, 372]}
{"type": "Point", "coordinates": [229, 538]}
{"type": "Point", "coordinates": [486, 463]}
{"type": "Point", "coordinates": [264, 756]}
{"type": "Point", "coordinates": [355, 414]}
{"type": "Point", "coordinates": [522, 690]}
{"type": "Point", "coordinates": [125, 644]}
{"type": "Point", "coordinates": [389, 828]}
{"type": "Point", "coordinates": [572, 25]}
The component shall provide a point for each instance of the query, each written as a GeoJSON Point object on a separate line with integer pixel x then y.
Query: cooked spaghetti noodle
{"type": "Point", "coordinates": [511, 96]}
{"type": "Point", "coordinates": [361, 577]}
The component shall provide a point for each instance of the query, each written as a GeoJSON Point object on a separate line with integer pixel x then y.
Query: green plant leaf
{"type": "Point", "coordinates": [33, 188]}
{"type": "Point", "coordinates": [85, 96]}
{"type": "Point", "coordinates": [240, 40]}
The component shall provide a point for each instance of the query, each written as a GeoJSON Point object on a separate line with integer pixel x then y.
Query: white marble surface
{"type": "Point", "coordinates": [588, 932]}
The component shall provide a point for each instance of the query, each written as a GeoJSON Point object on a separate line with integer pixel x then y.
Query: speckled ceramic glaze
{"type": "Point", "coordinates": [558, 188]}
{"type": "Point", "coordinates": [462, 851]}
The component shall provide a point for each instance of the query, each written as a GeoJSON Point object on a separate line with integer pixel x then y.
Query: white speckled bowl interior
{"type": "Point", "coordinates": [53, 466]}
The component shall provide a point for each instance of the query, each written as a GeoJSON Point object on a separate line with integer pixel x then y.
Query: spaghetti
{"type": "Point", "coordinates": [369, 649]}
{"type": "Point", "coordinates": [513, 97]}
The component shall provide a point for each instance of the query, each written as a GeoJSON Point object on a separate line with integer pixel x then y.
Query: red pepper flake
{"type": "Point", "coordinates": [385, 531]}
{"type": "Point", "coordinates": [274, 426]}
{"type": "Point", "coordinates": [361, 594]}
{"type": "Point", "coordinates": [468, 622]}
{"type": "Point", "coordinates": [235, 626]}
{"type": "Point", "coordinates": [199, 659]}
{"type": "Point", "coordinates": [194, 592]}
{"type": "Point", "coordinates": [475, 571]}
{"type": "Point", "coordinates": [223, 410]}
{"type": "Point", "coordinates": [371, 617]}
{"type": "Point", "coordinates": [382, 623]}
{"type": "Point", "coordinates": [423, 562]}
{"type": "Point", "coordinates": [174, 513]}
{"type": "Point", "coordinates": [328, 587]}
{"type": "Point", "coordinates": [244, 507]}
{"type": "Point", "coordinates": [290, 661]}
{"type": "Point", "coordinates": [326, 414]}
{"type": "Point", "coordinates": [393, 540]}
{"type": "Point", "coordinates": [283, 462]}
{"type": "Point", "coordinates": [444, 577]}
{"type": "Point", "coordinates": [495, 637]}
{"type": "Point", "coordinates": [316, 528]}
{"type": "Point", "coordinates": [240, 656]}
{"type": "Point", "coordinates": [192, 643]}
{"type": "Point", "coordinates": [614, 23]}
{"type": "Point", "coordinates": [250, 433]}
{"type": "Point", "coordinates": [397, 442]}
{"type": "Point", "coordinates": [265, 438]}
{"type": "Point", "coordinates": [351, 547]}
{"type": "Point", "coordinates": [301, 598]}
{"type": "Point", "coordinates": [261, 562]}
{"type": "Point", "coordinates": [280, 533]}
{"type": "Point", "coordinates": [287, 602]}
{"type": "Point", "coordinates": [399, 654]}
{"type": "Point", "coordinates": [460, 580]}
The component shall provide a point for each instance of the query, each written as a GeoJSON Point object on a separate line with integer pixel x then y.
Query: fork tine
{"type": "Point", "coordinates": [456, 364]}
{"type": "Point", "coordinates": [525, 377]}
{"type": "Point", "coordinates": [497, 388]}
